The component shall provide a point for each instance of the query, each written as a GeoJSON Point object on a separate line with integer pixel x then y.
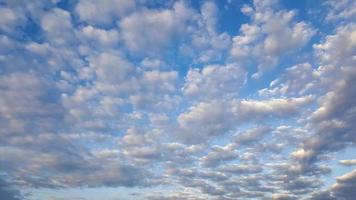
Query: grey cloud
{"type": "Point", "coordinates": [214, 118]}
{"type": "Point", "coordinates": [219, 155]}
{"type": "Point", "coordinates": [29, 106]}
{"type": "Point", "coordinates": [333, 120]}
{"type": "Point", "coordinates": [7, 192]}
{"type": "Point", "coordinates": [239, 169]}
{"type": "Point", "coordinates": [252, 135]}
{"type": "Point", "coordinates": [205, 120]}
{"type": "Point", "coordinates": [344, 188]}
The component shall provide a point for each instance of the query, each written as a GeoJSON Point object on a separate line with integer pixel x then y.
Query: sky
{"type": "Point", "coordinates": [177, 100]}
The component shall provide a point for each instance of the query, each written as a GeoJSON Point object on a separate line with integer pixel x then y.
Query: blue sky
{"type": "Point", "coordinates": [165, 100]}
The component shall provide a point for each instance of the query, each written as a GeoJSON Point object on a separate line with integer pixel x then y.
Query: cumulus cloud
{"type": "Point", "coordinates": [344, 10]}
{"type": "Point", "coordinates": [29, 106]}
{"type": "Point", "coordinates": [271, 34]}
{"type": "Point", "coordinates": [105, 12]}
{"type": "Point", "coordinates": [214, 81]}
{"type": "Point", "coordinates": [101, 36]}
{"type": "Point", "coordinates": [58, 26]}
{"type": "Point", "coordinates": [154, 99]}
{"type": "Point", "coordinates": [206, 42]}
{"type": "Point", "coordinates": [342, 189]}
{"type": "Point", "coordinates": [339, 48]}
{"type": "Point", "coordinates": [204, 120]}
{"type": "Point", "coordinates": [149, 31]}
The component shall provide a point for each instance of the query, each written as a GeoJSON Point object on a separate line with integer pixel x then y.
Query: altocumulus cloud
{"type": "Point", "coordinates": [181, 99]}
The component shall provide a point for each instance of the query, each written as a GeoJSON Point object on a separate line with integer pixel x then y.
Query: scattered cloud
{"type": "Point", "coordinates": [177, 99]}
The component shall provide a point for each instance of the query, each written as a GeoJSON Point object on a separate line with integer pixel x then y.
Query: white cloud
{"type": "Point", "coordinates": [271, 34]}
{"type": "Point", "coordinates": [214, 81]}
{"type": "Point", "coordinates": [204, 120]}
{"type": "Point", "coordinates": [103, 12]}
{"type": "Point", "coordinates": [8, 19]}
{"type": "Point", "coordinates": [348, 162]}
{"type": "Point", "coordinates": [263, 109]}
{"type": "Point", "coordinates": [149, 31]}
{"type": "Point", "coordinates": [159, 80]}
{"type": "Point", "coordinates": [338, 49]}
{"type": "Point", "coordinates": [219, 155]}
{"type": "Point", "coordinates": [206, 44]}
{"type": "Point", "coordinates": [297, 80]}
{"type": "Point", "coordinates": [102, 36]}
{"type": "Point", "coordinates": [58, 26]}
{"type": "Point", "coordinates": [342, 9]}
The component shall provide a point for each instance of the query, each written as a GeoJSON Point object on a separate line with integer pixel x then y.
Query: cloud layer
{"type": "Point", "coordinates": [177, 99]}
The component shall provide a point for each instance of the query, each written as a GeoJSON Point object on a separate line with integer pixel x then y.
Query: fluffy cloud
{"type": "Point", "coordinates": [9, 19]}
{"type": "Point", "coordinates": [342, 189]}
{"type": "Point", "coordinates": [153, 99]}
{"type": "Point", "coordinates": [207, 43]}
{"type": "Point", "coordinates": [215, 118]}
{"type": "Point", "coordinates": [251, 135]}
{"type": "Point", "coordinates": [104, 12]}
{"type": "Point", "coordinates": [219, 155]}
{"type": "Point", "coordinates": [205, 120]}
{"type": "Point", "coordinates": [271, 34]}
{"type": "Point", "coordinates": [214, 81]}
{"type": "Point", "coordinates": [297, 80]}
{"type": "Point", "coordinates": [149, 31]}
{"type": "Point", "coordinates": [29, 106]}
{"type": "Point", "coordinates": [338, 49]}
{"type": "Point", "coordinates": [58, 26]}
{"type": "Point", "coordinates": [344, 10]}
{"type": "Point", "coordinates": [263, 109]}
{"type": "Point", "coordinates": [101, 36]}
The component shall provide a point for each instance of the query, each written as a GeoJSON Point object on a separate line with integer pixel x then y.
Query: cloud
{"type": "Point", "coordinates": [205, 120]}
{"type": "Point", "coordinates": [219, 155]}
{"type": "Point", "coordinates": [348, 162]}
{"type": "Point", "coordinates": [149, 31]}
{"type": "Point", "coordinates": [57, 24]}
{"type": "Point", "coordinates": [342, 189]}
{"type": "Point", "coordinates": [206, 42]}
{"type": "Point", "coordinates": [332, 120]}
{"type": "Point", "coordinates": [208, 119]}
{"type": "Point", "coordinates": [297, 80]}
{"type": "Point", "coordinates": [252, 135]}
{"type": "Point", "coordinates": [271, 34]}
{"type": "Point", "coordinates": [7, 192]}
{"type": "Point", "coordinates": [338, 49]}
{"type": "Point", "coordinates": [214, 81]}
{"type": "Point", "coordinates": [152, 98]}
{"type": "Point", "coordinates": [9, 19]}
{"type": "Point", "coordinates": [262, 109]}
{"type": "Point", "coordinates": [105, 12]}
{"type": "Point", "coordinates": [29, 106]}
{"type": "Point", "coordinates": [344, 10]}
{"type": "Point", "coordinates": [101, 36]}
